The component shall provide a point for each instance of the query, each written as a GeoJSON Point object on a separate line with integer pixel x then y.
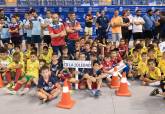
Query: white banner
{"type": "Point", "coordinates": [76, 64]}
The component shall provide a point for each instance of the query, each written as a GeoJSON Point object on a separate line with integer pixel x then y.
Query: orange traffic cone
{"type": "Point", "coordinates": [115, 82]}
{"type": "Point", "coordinates": [1, 81]}
{"type": "Point", "coordinates": [123, 89]}
{"type": "Point", "coordinates": [66, 101]}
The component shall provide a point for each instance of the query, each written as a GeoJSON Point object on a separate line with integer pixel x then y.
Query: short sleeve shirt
{"type": "Point", "coordinates": [47, 86]}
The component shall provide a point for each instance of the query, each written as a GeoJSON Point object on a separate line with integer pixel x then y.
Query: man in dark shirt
{"type": "Point", "coordinates": [2, 15]}
{"type": "Point", "coordinates": [88, 24]}
{"type": "Point", "coordinates": [102, 24]}
{"type": "Point", "coordinates": [162, 26]}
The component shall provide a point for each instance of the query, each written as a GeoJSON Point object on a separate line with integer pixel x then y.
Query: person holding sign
{"type": "Point", "coordinates": [81, 72]}
{"type": "Point", "coordinates": [57, 34]}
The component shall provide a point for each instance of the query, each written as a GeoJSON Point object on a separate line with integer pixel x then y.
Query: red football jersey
{"type": "Point", "coordinates": [75, 35]}
{"type": "Point", "coordinates": [107, 65]}
{"type": "Point", "coordinates": [123, 49]}
{"type": "Point", "coordinates": [14, 27]}
{"type": "Point", "coordinates": [56, 29]}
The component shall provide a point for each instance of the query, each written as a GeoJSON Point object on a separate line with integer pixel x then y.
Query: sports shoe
{"type": "Point", "coordinates": [10, 85]}
{"type": "Point", "coordinates": [154, 92]}
{"type": "Point", "coordinates": [11, 92]}
{"type": "Point", "coordinates": [25, 91]}
{"type": "Point", "coordinates": [44, 101]}
{"type": "Point", "coordinates": [97, 93]}
{"type": "Point", "coordinates": [91, 92]}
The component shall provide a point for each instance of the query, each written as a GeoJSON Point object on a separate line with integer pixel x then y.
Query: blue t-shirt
{"type": "Point", "coordinates": [36, 30]}
{"type": "Point", "coordinates": [127, 69]}
{"type": "Point", "coordinates": [55, 67]}
{"type": "Point", "coordinates": [149, 22]}
{"type": "Point", "coordinates": [48, 87]}
{"type": "Point", "coordinates": [82, 71]}
{"type": "Point", "coordinates": [5, 32]}
{"type": "Point", "coordinates": [93, 72]}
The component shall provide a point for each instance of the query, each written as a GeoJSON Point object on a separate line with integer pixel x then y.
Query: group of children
{"type": "Point", "coordinates": [45, 69]}
{"type": "Point", "coordinates": [38, 65]}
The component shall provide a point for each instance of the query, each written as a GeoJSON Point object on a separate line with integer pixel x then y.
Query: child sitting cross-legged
{"type": "Point", "coordinates": [153, 74]}
{"type": "Point", "coordinates": [14, 70]}
{"type": "Point", "coordinates": [94, 78]}
{"type": "Point", "coordinates": [161, 65]}
{"type": "Point", "coordinates": [48, 86]}
{"type": "Point", "coordinates": [31, 76]}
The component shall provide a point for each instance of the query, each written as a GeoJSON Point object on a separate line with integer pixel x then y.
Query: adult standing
{"type": "Point", "coordinates": [149, 25]}
{"type": "Point", "coordinates": [162, 26]}
{"type": "Point", "coordinates": [116, 24]}
{"type": "Point", "coordinates": [125, 26]}
{"type": "Point", "coordinates": [57, 33]}
{"type": "Point", "coordinates": [157, 23]}
{"type": "Point", "coordinates": [89, 24]}
{"type": "Point", "coordinates": [138, 23]}
{"type": "Point", "coordinates": [95, 21]}
{"type": "Point", "coordinates": [36, 22]}
{"type": "Point", "coordinates": [129, 15]}
{"type": "Point", "coordinates": [102, 25]}
{"type": "Point", "coordinates": [27, 29]}
{"type": "Point", "coordinates": [3, 16]}
{"type": "Point", "coordinates": [47, 22]}
{"type": "Point", "coordinates": [72, 27]}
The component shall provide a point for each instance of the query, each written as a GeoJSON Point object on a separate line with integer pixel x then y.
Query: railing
{"type": "Point", "coordinates": [83, 2]}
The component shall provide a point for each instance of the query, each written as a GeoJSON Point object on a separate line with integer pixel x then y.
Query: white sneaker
{"type": "Point", "coordinates": [25, 91]}
{"type": "Point", "coordinates": [11, 92]}
{"type": "Point", "coordinates": [155, 83]}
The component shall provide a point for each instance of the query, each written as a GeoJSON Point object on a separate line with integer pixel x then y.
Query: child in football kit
{"type": "Point", "coordinates": [14, 70]}
{"type": "Point", "coordinates": [14, 28]}
{"type": "Point", "coordinates": [5, 60]}
{"type": "Point", "coordinates": [123, 48]}
{"type": "Point", "coordinates": [94, 79]}
{"type": "Point", "coordinates": [161, 65]}
{"type": "Point", "coordinates": [128, 69]}
{"type": "Point", "coordinates": [31, 75]}
{"type": "Point", "coordinates": [153, 74]}
{"type": "Point", "coordinates": [48, 86]}
{"type": "Point", "coordinates": [142, 65]}
{"type": "Point", "coordinates": [106, 67]}
{"type": "Point", "coordinates": [46, 55]}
